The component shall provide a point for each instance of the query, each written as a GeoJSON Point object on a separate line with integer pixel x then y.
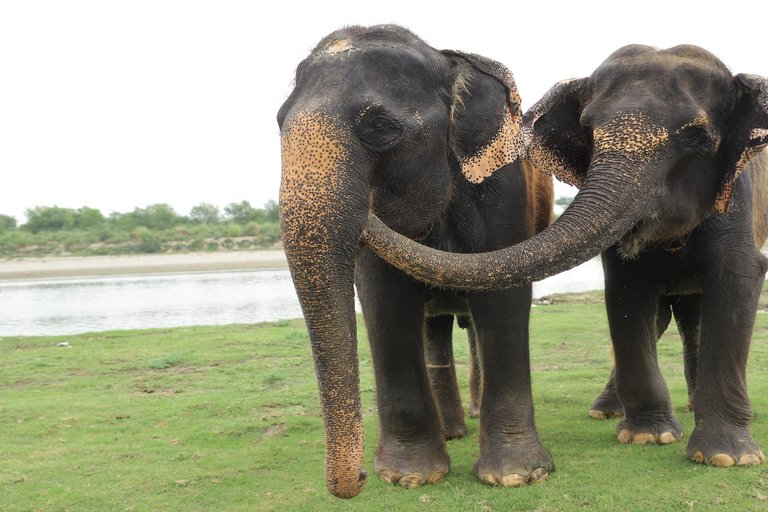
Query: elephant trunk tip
{"type": "Point", "coordinates": [347, 490]}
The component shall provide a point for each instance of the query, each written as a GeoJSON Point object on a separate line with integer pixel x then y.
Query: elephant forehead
{"type": "Point", "coordinates": [631, 132]}
{"type": "Point", "coordinates": [339, 46]}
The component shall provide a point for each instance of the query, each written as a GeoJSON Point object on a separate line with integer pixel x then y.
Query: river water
{"type": "Point", "coordinates": [72, 306]}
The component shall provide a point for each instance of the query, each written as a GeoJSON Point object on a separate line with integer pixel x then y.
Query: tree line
{"type": "Point", "coordinates": [156, 228]}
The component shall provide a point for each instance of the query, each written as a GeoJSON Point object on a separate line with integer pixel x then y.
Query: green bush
{"type": "Point", "coordinates": [252, 229]}
{"type": "Point", "coordinates": [89, 218]}
{"type": "Point", "coordinates": [205, 213]}
{"type": "Point", "coordinates": [49, 218]}
{"type": "Point", "coordinates": [195, 245]}
{"type": "Point", "coordinates": [233, 230]}
{"type": "Point", "coordinates": [241, 212]}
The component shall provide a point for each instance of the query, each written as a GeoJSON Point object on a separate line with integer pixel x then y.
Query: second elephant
{"type": "Point", "coordinates": [665, 146]}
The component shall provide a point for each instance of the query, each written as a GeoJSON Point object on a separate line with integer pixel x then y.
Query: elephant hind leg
{"type": "Point", "coordinates": [607, 404]}
{"type": "Point", "coordinates": [438, 351]}
{"type": "Point", "coordinates": [475, 373]}
{"type": "Point", "coordinates": [688, 317]}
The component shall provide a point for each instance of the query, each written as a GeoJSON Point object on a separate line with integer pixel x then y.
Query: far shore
{"type": "Point", "coordinates": [89, 266]}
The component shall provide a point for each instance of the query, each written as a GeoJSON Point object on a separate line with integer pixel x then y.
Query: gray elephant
{"type": "Point", "coordinates": [665, 147]}
{"type": "Point", "coordinates": [429, 141]}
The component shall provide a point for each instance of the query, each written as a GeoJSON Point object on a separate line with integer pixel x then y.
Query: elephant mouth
{"type": "Point", "coordinates": [632, 244]}
{"type": "Point", "coordinates": [652, 230]}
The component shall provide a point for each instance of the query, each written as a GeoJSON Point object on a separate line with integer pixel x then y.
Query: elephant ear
{"type": "Point", "coordinates": [485, 116]}
{"type": "Point", "coordinates": [750, 135]}
{"type": "Point", "coordinates": [557, 143]}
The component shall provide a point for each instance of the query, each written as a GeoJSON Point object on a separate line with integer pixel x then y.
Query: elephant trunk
{"type": "Point", "coordinates": [610, 204]}
{"type": "Point", "coordinates": [323, 209]}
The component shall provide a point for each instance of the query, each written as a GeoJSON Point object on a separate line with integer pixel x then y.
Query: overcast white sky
{"type": "Point", "coordinates": [119, 104]}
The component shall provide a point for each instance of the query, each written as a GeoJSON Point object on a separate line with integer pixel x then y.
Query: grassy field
{"type": "Point", "coordinates": [228, 418]}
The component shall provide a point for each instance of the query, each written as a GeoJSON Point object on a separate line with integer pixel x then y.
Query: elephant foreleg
{"type": "Point", "coordinates": [442, 374]}
{"type": "Point", "coordinates": [632, 303]}
{"type": "Point", "coordinates": [510, 452]}
{"type": "Point", "coordinates": [411, 447]}
{"type": "Point", "coordinates": [722, 408]}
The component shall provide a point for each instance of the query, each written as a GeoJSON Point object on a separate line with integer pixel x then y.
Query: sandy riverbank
{"type": "Point", "coordinates": [86, 266]}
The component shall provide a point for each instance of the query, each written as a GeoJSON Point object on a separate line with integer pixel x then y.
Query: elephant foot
{"type": "Point", "coordinates": [412, 464]}
{"type": "Point", "coordinates": [724, 447]}
{"type": "Point", "coordinates": [663, 431]}
{"type": "Point", "coordinates": [515, 465]}
{"type": "Point", "coordinates": [454, 428]}
{"type": "Point", "coordinates": [607, 404]}
{"type": "Point", "coordinates": [474, 409]}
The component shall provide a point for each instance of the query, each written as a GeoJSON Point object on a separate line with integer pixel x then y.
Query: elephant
{"type": "Point", "coordinates": [665, 147]}
{"type": "Point", "coordinates": [430, 141]}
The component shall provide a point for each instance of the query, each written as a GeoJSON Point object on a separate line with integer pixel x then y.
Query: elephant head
{"type": "Point", "coordinates": [653, 138]}
{"type": "Point", "coordinates": [378, 120]}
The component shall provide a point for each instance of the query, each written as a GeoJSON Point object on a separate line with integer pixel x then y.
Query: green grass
{"type": "Point", "coordinates": [228, 418]}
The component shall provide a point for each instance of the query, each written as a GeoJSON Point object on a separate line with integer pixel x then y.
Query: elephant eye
{"type": "Point", "coordinates": [698, 137]}
{"type": "Point", "coordinates": [379, 130]}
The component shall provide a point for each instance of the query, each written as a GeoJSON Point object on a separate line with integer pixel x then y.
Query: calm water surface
{"type": "Point", "coordinates": [72, 306]}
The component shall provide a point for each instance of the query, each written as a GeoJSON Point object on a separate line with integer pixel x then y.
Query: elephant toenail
{"type": "Point", "coordinates": [411, 481]}
{"type": "Point", "coordinates": [490, 479]}
{"type": "Point", "coordinates": [698, 457]}
{"type": "Point", "coordinates": [644, 438]}
{"type": "Point", "coordinates": [435, 476]}
{"type": "Point", "coordinates": [722, 460]}
{"type": "Point", "coordinates": [513, 480]}
{"type": "Point", "coordinates": [625, 436]}
{"type": "Point", "coordinates": [762, 457]}
{"type": "Point", "coordinates": [749, 459]}
{"type": "Point", "coordinates": [667, 438]}
{"type": "Point", "coordinates": [539, 475]}
{"type": "Point", "coordinates": [598, 415]}
{"type": "Point", "coordinates": [387, 476]}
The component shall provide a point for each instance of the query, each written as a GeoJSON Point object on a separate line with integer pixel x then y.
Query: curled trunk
{"type": "Point", "coordinates": [605, 209]}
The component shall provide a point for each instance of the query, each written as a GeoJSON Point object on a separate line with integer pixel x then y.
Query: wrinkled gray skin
{"type": "Point", "coordinates": [657, 141]}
